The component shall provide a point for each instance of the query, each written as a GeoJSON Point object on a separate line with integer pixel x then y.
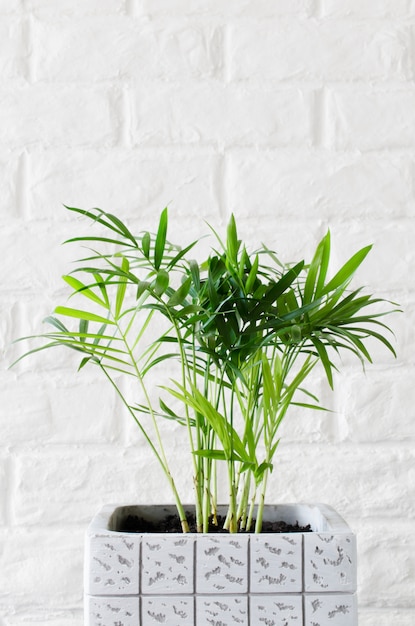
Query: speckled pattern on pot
{"type": "Point", "coordinates": [287, 579]}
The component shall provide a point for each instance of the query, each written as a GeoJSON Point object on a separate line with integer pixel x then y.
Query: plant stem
{"type": "Point", "coordinates": [251, 512]}
{"type": "Point", "coordinates": [232, 521]}
{"type": "Point", "coordinates": [161, 459]}
{"type": "Point", "coordinates": [260, 511]}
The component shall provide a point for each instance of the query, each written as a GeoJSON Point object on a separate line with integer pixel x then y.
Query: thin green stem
{"type": "Point", "coordinates": [261, 504]}
{"type": "Point", "coordinates": [232, 521]}
{"type": "Point", "coordinates": [160, 458]}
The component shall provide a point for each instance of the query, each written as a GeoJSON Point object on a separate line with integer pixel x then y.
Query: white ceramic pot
{"type": "Point", "coordinates": [292, 579]}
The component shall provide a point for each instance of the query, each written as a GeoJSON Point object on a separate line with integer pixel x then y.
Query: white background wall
{"type": "Point", "coordinates": [297, 115]}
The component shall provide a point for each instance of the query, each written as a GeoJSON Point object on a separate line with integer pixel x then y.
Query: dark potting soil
{"type": "Point", "coordinates": [171, 524]}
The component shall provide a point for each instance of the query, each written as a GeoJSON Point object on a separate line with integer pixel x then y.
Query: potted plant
{"type": "Point", "coordinates": [240, 334]}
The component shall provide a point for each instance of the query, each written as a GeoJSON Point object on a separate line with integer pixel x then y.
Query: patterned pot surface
{"type": "Point", "coordinates": [275, 579]}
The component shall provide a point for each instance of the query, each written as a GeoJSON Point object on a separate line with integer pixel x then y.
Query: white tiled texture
{"type": "Point", "coordinates": [222, 609]}
{"type": "Point", "coordinates": [276, 565]}
{"type": "Point", "coordinates": [114, 566]}
{"type": "Point", "coordinates": [302, 579]}
{"type": "Point", "coordinates": [112, 611]}
{"type": "Point", "coordinates": [297, 115]}
{"type": "Point", "coordinates": [167, 565]}
{"type": "Point", "coordinates": [329, 562]}
{"type": "Point", "coordinates": [277, 610]}
{"type": "Point", "coordinates": [175, 610]}
{"type": "Point", "coordinates": [338, 610]}
{"type": "Point", "coordinates": [222, 564]}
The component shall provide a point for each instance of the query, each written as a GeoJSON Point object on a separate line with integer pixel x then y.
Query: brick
{"type": "Point", "coordinates": [42, 563]}
{"type": "Point", "coordinates": [371, 119]}
{"type": "Point", "coordinates": [367, 9]}
{"type": "Point", "coordinates": [9, 185]}
{"type": "Point", "coordinates": [57, 485]}
{"type": "Point", "coordinates": [53, 617]}
{"type": "Point", "coordinates": [382, 410]}
{"type": "Point", "coordinates": [7, 7]}
{"type": "Point", "coordinates": [49, 8]}
{"type": "Point", "coordinates": [358, 481]}
{"type": "Point", "coordinates": [7, 313]}
{"type": "Point", "coordinates": [402, 328]}
{"type": "Point", "coordinates": [124, 48]}
{"type": "Point", "coordinates": [138, 184]}
{"type": "Point", "coordinates": [290, 240]}
{"type": "Point", "coordinates": [59, 408]}
{"type": "Point", "coordinates": [40, 242]}
{"type": "Point", "coordinates": [294, 238]}
{"type": "Point", "coordinates": [329, 51]}
{"type": "Point", "coordinates": [221, 115]}
{"type": "Point", "coordinates": [234, 8]}
{"type": "Point", "coordinates": [26, 318]}
{"type": "Point", "coordinates": [378, 540]}
{"type": "Point", "coordinates": [13, 49]}
{"type": "Point", "coordinates": [390, 246]}
{"type": "Point", "coordinates": [317, 185]}
{"type": "Point", "coordinates": [385, 616]}
{"type": "Point", "coordinates": [28, 414]}
{"type": "Point", "coordinates": [4, 489]}
{"type": "Point", "coordinates": [305, 425]}
{"type": "Point", "coordinates": [44, 115]}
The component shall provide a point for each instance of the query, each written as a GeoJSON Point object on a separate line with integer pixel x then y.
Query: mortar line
{"type": "Point", "coordinates": [130, 8]}
{"type": "Point", "coordinates": [226, 65]}
{"type": "Point", "coordinates": [10, 490]}
{"type": "Point", "coordinates": [28, 35]}
{"type": "Point", "coordinates": [317, 9]}
{"type": "Point", "coordinates": [221, 186]}
{"type": "Point", "coordinates": [22, 194]}
{"type": "Point", "coordinates": [319, 118]}
{"type": "Point", "coordinates": [125, 134]}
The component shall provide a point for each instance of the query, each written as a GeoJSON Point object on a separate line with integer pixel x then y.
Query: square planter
{"type": "Point", "coordinates": [275, 579]}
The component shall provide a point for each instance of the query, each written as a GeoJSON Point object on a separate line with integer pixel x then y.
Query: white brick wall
{"type": "Point", "coordinates": [294, 114]}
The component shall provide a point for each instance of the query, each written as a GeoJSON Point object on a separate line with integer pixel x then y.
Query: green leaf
{"type": "Point", "coordinates": [347, 271]}
{"type": "Point", "coordinates": [182, 253]}
{"type": "Point", "coordinates": [260, 471]}
{"type": "Point", "coordinates": [324, 264]}
{"type": "Point", "coordinates": [161, 283]}
{"type": "Point", "coordinates": [101, 284]}
{"type": "Point", "coordinates": [83, 330]}
{"type": "Point", "coordinates": [269, 396]}
{"type": "Point", "coordinates": [160, 240]}
{"type": "Point", "coordinates": [275, 289]}
{"type": "Point", "coordinates": [169, 412]}
{"type": "Point", "coordinates": [79, 287]}
{"type": "Point", "coordinates": [109, 221]}
{"type": "Point", "coordinates": [122, 286]}
{"type": "Point", "coordinates": [181, 293]}
{"type": "Point", "coordinates": [195, 273]}
{"type": "Point", "coordinates": [250, 281]}
{"type": "Point", "coordinates": [296, 333]}
{"type": "Point", "coordinates": [122, 228]}
{"type": "Point", "coordinates": [84, 362]}
{"type": "Point", "coordinates": [324, 358]}
{"type": "Point", "coordinates": [85, 315]}
{"type": "Point", "coordinates": [54, 321]}
{"type": "Point", "coordinates": [307, 405]}
{"type": "Point", "coordinates": [145, 244]}
{"type": "Point", "coordinates": [318, 270]}
{"type": "Point", "coordinates": [100, 239]}
{"type": "Point", "coordinates": [142, 286]}
{"type": "Point", "coordinates": [232, 240]}
{"type": "Point", "coordinates": [217, 455]}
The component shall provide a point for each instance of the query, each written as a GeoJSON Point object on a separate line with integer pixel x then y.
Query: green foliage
{"type": "Point", "coordinates": [242, 333]}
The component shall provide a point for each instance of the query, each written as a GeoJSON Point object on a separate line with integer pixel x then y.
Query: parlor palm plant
{"type": "Point", "coordinates": [244, 330]}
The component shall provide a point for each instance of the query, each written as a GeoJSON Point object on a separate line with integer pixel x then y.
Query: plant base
{"type": "Point", "coordinates": [283, 579]}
